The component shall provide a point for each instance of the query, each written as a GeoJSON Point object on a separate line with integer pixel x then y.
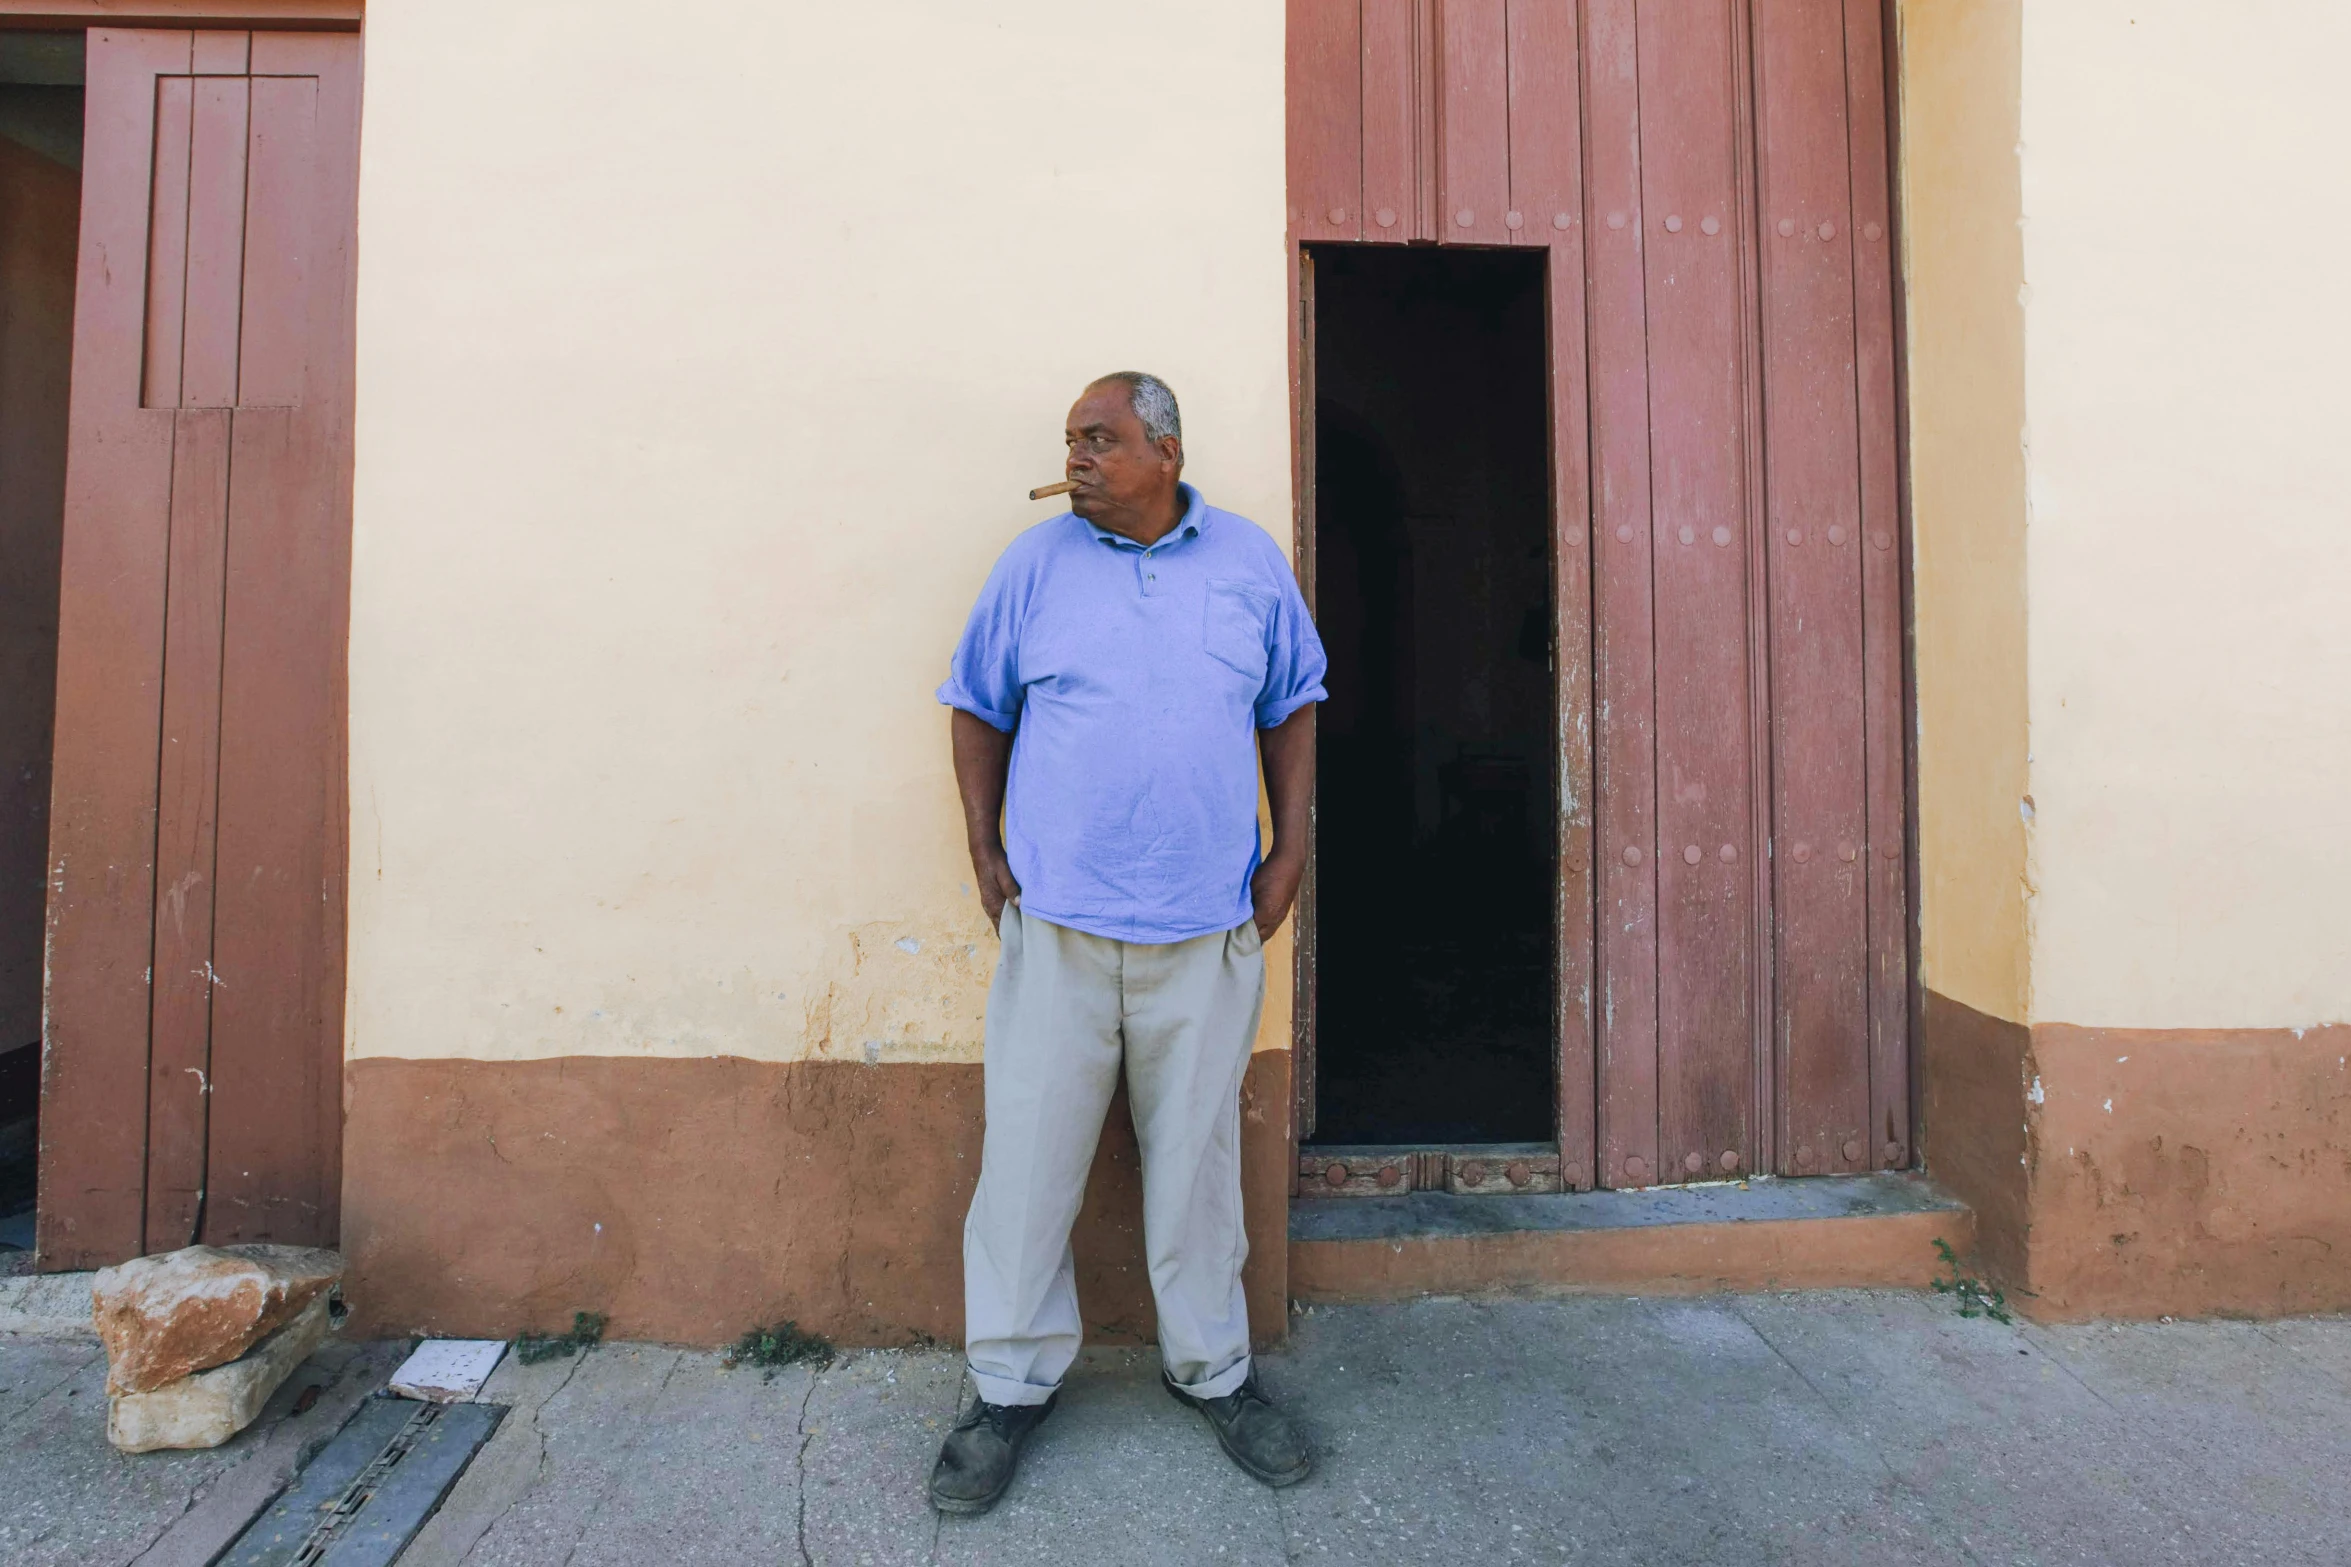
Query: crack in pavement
{"type": "Point", "coordinates": [2058, 1360]}
{"type": "Point", "coordinates": [495, 1483]}
{"type": "Point", "coordinates": [612, 1480]}
{"type": "Point", "coordinates": [187, 1506]}
{"type": "Point", "coordinates": [1828, 1403]}
{"type": "Point", "coordinates": [521, 1415]}
{"type": "Point", "coordinates": [33, 1404]}
{"type": "Point", "coordinates": [1293, 1548]}
{"type": "Point", "coordinates": [1900, 1481]}
{"type": "Point", "coordinates": [2300, 1354]}
{"type": "Point", "coordinates": [954, 1408]}
{"type": "Point", "coordinates": [800, 1468]}
{"type": "Point", "coordinates": [538, 1429]}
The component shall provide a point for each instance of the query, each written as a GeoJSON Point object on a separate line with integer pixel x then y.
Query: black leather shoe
{"type": "Point", "coordinates": [1253, 1434]}
{"type": "Point", "coordinates": [976, 1461]}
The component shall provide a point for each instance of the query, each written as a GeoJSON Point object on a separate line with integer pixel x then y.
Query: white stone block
{"type": "Point", "coordinates": [448, 1370]}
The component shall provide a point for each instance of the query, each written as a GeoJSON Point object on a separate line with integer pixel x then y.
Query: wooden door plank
{"type": "Point", "coordinates": [1426, 224]}
{"type": "Point", "coordinates": [1325, 102]}
{"type": "Point", "coordinates": [1624, 833]}
{"type": "Point", "coordinates": [1764, 1059]}
{"type": "Point", "coordinates": [109, 687]}
{"type": "Point", "coordinates": [1546, 129]}
{"type": "Point", "coordinates": [1811, 433]}
{"type": "Point", "coordinates": [1872, 223]}
{"type": "Point", "coordinates": [1574, 965]}
{"type": "Point", "coordinates": [167, 241]}
{"type": "Point", "coordinates": [1473, 122]}
{"type": "Point", "coordinates": [281, 872]}
{"type": "Point", "coordinates": [1571, 665]}
{"type": "Point", "coordinates": [1391, 200]}
{"type": "Point", "coordinates": [274, 1169]}
{"type": "Point", "coordinates": [179, 1076]}
{"type": "Point", "coordinates": [216, 242]}
{"type": "Point", "coordinates": [275, 324]}
{"type": "Point", "coordinates": [1695, 320]}
{"type": "Point", "coordinates": [1546, 186]}
{"type": "Point", "coordinates": [221, 53]}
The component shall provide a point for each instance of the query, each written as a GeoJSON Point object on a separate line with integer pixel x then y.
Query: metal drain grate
{"type": "Point", "coordinates": [362, 1499]}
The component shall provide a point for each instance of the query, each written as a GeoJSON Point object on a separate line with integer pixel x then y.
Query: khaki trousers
{"type": "Point", "coordinates": [1065, 1011]}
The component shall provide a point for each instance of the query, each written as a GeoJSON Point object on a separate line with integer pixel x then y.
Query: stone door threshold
{"type": "Point", "coordinates": [1823, 1233]}
{"type": "Point", "coordinates": [1465, 1169]}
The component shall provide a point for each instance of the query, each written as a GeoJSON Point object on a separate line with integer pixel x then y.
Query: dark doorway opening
{"type": "Point", "coordinates": [1435, 850]}
{"type": "Point", "coordinates": [40, 224]}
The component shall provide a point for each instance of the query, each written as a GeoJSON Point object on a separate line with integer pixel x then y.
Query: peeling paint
{"type": "Point", "coordinates": [933, 1009]}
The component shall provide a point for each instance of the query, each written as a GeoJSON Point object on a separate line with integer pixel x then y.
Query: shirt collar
{"type": "Point", "coordinates": [1194, 523]}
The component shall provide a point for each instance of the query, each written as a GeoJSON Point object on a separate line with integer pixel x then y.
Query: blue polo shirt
{"type": "Point", "coordinates": [1133, 682]}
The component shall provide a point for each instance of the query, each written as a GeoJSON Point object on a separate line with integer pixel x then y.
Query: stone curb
{"type": "Point", "coordinates": [47, 1305]}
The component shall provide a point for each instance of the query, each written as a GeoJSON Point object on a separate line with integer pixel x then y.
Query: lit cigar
{"type": "Point", "coordinates": [1063, 488]}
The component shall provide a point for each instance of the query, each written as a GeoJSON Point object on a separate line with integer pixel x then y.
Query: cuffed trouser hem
{"type": "Point", "coordinates": [1011, 1390]}
{"type": "Point", "coordinates": [1225, 1381]}
{"type": "Point", "coordinates": [1068, 1015]}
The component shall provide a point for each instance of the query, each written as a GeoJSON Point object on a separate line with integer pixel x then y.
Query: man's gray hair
{"type": "Point", "coordinates": [1153, 401]}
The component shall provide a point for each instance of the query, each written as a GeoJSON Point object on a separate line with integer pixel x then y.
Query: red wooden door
{"type": "Point", "coordinates": [195, 945]}
{"type": "Point", "coordinates": [1711, 182]}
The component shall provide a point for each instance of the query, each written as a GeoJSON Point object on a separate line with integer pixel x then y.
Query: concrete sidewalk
{"type": "Point", "coordinates": [1878, 1428]}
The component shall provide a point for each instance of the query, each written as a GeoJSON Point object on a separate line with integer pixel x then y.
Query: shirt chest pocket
{"type": "Point", "coordinates": [1234, 634]}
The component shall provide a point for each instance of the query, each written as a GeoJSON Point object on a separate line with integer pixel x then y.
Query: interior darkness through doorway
{"type": "Point", "coordinates": [40, 205]}
{"type": "Point", "coordinates": [1434, 854]}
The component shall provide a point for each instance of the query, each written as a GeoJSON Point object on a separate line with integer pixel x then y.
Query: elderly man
{"type": "Point", "coordinates": [1126, 665]}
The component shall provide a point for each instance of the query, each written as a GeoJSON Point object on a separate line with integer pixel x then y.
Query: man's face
{"type": "Point", "coordinates": [1121, 476]}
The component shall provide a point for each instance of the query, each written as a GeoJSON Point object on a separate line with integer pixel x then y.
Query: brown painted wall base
{"type": "Point", "coordinates": [2146, 1172]}
{"type": "Point", "coordinates": [2190, 1173]}
{"type": "Point", "coordinates": [1971, 1122]}
{"type": "Point", "coordinates": [1887, 1251]}
{"type": "Point", "coordinates": [689, 1200]}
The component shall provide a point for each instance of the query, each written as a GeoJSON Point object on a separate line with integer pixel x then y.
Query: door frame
{"type": "Point", "coordinates": [1319, 27]}
{"type": "Point", "coordinates": [86, 1223]}
{"type": "Point", "coordinates": [279, 16]}
{"type": "Point", "coordinates": [1498, 1168]}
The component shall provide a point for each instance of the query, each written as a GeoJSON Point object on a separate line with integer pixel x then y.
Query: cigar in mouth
{"type": "Point", "coordinates": [1043, 490]}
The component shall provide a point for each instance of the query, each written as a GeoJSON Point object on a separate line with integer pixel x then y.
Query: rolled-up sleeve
{"type": "Point", "coordinates": [1295, 664]}
{"type": "Point", "coordinates": [983, 677]}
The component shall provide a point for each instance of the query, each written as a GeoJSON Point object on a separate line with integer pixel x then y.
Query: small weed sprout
{"type": "Point", "coordinates": [1976, 1298]}
{"type": "Point", "coordinates": [772, 1349]}
{"type": "Point", "coordinates": [587, 1331]}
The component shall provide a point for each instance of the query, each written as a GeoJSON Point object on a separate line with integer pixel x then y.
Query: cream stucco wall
{"type": "Point", "coordinates": [1963, 272]}
{"type": "Point", "coordinates": [2127, 326]}
{"type": "Point", "coordinates": [2187, 329]}
{"type": "Point", "coordinates": [702, 368]}
{"type": "Point", "coordinates": [704, 359]}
